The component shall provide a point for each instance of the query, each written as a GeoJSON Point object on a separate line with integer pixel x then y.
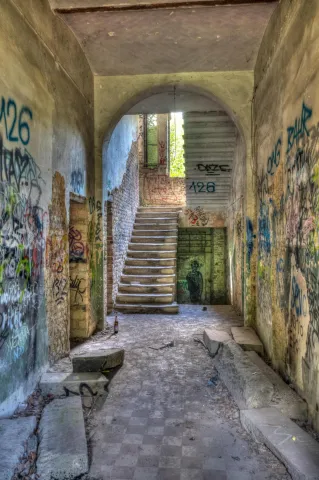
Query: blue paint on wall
{"type": "Point", "coordinates": [250, 239]}
{"type": "Point", "coordinates": [116, 152]}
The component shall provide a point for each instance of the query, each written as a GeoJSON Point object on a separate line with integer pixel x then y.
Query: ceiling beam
{"type": "Point", "coordinates": [88, 6]}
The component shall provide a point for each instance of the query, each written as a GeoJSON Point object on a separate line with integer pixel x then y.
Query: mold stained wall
{"type": "Point", "coordinates": [46, 128]}
{"type": "Point", "coordinates": [236, 224]}
{"type": "Point", "coordinates": [286, 120]}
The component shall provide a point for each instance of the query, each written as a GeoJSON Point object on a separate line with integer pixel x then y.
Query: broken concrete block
{"type": "Point", "coordinates": [84, 384]}
{"type": "Point", "coordinates": [13, 434]}
{"type": "Point", "coordinates": [249, 387]}
{"type": "Point", "coordinates": [247, 339]}
{"type": "Point", "coordinates": [63, 450]}
{"type": "Point", "coordinates": [286, 400]}
{"type": "Point", "coordinates": [98, 361]}
{"type": "Point", "coordinates": [214, 338]}
{"type": "Point", "coordinates": [298, 451]}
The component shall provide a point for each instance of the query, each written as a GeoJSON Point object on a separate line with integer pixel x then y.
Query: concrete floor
{"type": "Point", "coordinates": [161, 419]}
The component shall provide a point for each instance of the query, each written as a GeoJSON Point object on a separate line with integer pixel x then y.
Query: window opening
{"type": "Point", "coordinates": [151, 158]}
{"type": "Point", "coordinates": [176, 145]}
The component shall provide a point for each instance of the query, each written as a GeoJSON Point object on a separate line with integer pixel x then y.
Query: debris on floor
{"type": "Point", "coordinates": [213, 381]}
{"type": "Point", "coordinates": [166, 345]}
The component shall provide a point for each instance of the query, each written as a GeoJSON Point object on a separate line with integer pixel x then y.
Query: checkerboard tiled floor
{"type": "Point", "coordinates": [162, 421]}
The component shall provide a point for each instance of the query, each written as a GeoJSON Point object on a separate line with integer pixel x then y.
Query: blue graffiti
{"type": "Point", "coordinates": [299, 128]}
{"type": "Point", "coordinates": [249, 239]}
{"type": "Point", "coordinates": [15, 121]}
{"type": "Point", "coordinates": [280, 266]}
{"type": "Point", "coordinates": [274, 159]}
{"type": "Point", "coordinates": [264, 229]}
{"type": "Point", "coordinates": [298, 300]}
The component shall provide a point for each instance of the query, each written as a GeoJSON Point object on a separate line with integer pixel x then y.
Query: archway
{"type": "Point", "coordinates": [233, 215]}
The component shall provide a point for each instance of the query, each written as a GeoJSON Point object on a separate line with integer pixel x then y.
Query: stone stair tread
{"type": "Point", "coordinates": [150, 276]}
{"type": "Point", "coordinates": [154, 244]}
{"type": "Point", "coordinates": [146, 295]}
{"type": "Point", "coordinates": [247, 339]}
{"type": "Point", "coordinates": [136, 284]}
{"type": "Point", "coordinates": [150, 251]}
{"type": "Point", "coordinates": [147, 305]}
{"type": "Point", "coordinates": [61, 383]}
{"type": "Point", "coordinates": [155, 224]}
{"type": "Point", "coordinates": [58, 457]}
{"type": "Point", "coordinates": [155, 236]}
{"type": "Point", "coordinates": [151, 259]}
{"type": "Point", "coordinates": [157, 218]}
{"type": "Point", "coordinates": [150, 267]}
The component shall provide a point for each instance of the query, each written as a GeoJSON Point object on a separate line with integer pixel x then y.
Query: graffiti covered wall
{"type": "Point", "coordinates": [286, 112]}
{"type": "Point", "coordinates": [45, 132]}
{"type": "Point", "coordinates": [201, 266]}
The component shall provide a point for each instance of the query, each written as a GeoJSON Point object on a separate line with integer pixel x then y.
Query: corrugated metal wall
{"type": "Point", "coordinates": [209, 142]}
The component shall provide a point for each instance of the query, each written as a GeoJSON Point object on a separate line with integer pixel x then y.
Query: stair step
{"type": "Point", "coordinates": [148, 308]}
{"type": "Point", "coordinates": [151, 254]}
{"type": "Point", "coordinates": [151, 239]}
{"type": "Point", "coordinates": [173, 221]}
{"type": "Point", "coordinates": [160, 209]}
{"type": "Point", "coordinates": [154, 233]}
{"type": "Point", "coordinates": [143, 214]}
{"type": "Point", "coordinates": [140, 247]}
{"type": "Point", "coordinates": [148, 279]}
{"type": "Point", "coordinates": [149, 275]}
{"type": "Point", "coordinates": [142, 298]}
{"type": "Point", "coordinates": [155, 226]}
{"type": "Point", "coordinates": [135, 270]}
{"type": "Point", "coordinates": [144, 262]}
{"type": "Point", "coordinates": [146, 288]}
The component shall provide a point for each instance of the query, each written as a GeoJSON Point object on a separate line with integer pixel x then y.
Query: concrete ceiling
{"type": "Point", "coordinates": [167, 40]}
{"type": "Point", "coordinates": [86, 5]}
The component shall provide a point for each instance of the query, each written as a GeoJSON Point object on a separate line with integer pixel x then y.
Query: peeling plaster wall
{"type": "Point", "coordinates": [116, 152]}
{"type": "Point", "coordinates": [121, 189]}
{"type": "Point", "coordinates": [286, 121]}
{"type": "Point", "coordinates": [46, 131]}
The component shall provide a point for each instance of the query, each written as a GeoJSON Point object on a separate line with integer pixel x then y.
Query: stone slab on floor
{"type": "Point", "coordinates": [63, 449]}
{"type": "Point", "coordinates": [247, 339]}
{"type": "Point", "coordinates": [249, 387]}
{"type": "Point", "coordinates": [286, 400]}
{"type": "Point", "coordinates": [98, 361]}
{"type": "Point", "coordinates": [295, 448]}
{"type": "Point", "coordinates": [84, 384]}
{"type": "Point", "coordinates": [214, 338]}
{"type": "Point", "coordinates": [13, 435]}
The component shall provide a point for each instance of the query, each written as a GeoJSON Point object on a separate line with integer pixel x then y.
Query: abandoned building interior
{"type": "Point", "coordinates": [159, 164]}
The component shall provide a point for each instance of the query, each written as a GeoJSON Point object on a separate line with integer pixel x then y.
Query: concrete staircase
{"type": "Point", "coordinates": [148, 282]}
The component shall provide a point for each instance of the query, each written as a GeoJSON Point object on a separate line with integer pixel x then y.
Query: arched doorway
{"type": "Point", "coordinates": [211, 195]}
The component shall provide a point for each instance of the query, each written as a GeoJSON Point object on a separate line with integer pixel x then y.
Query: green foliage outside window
{"type": "Point", "coordinates": [177, 160]}
{"type": "Point", "coordinates": [152, 143]}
